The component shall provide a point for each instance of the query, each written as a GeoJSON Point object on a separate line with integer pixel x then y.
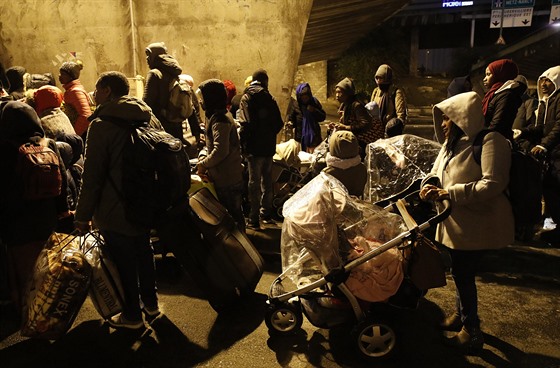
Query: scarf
{"type": "Point", "coordinates": [342, 163]}
{"type": "Point", "coordinates": [502, 71]}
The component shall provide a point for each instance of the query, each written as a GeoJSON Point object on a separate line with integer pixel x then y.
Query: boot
{"type": "Point", "coordinates": [452, 323]}
{"type": "Point", "coordinates": [469, 340]}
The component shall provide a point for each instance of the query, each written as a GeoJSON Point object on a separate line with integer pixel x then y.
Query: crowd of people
{"type": "Point", "coordinates": [233, 136]}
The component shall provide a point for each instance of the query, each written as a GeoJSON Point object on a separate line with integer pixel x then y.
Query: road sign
{"type": "Point", "coordinates": [496, 4]}
{"type": "Point", "coordinates": [512, 17]}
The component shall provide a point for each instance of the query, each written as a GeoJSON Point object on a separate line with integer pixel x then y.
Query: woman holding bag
{"type": "Point", "coordinates": [481, 216]}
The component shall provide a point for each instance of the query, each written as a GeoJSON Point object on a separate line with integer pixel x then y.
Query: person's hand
{"type": "Point", "coordinates": [430, 192]}
{"type": "Point", "coordinates": [83, 227]}
{"type": "Point", "coordinates": [538, 151]}
{"type": "Point", "coordinates": [310, 108]}
{"type": "Point", "coordinates": [200, 170]}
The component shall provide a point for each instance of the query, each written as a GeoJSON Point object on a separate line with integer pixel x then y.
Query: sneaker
{"type": "Point", "coordinates": [152, 312]}
{"type": "Point", "coordinates": [268, 221]}
{"type": "Point", "coordinates": [119, 321]}
{"type": "Point", "coordinates": [469, 340]}
{"type": "Point", "coordinates": [253, 225]}
{"type": "Point", "coordinates": [452, 323]}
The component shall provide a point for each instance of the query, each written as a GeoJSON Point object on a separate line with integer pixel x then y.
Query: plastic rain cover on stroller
{"type": "Point", "coordinates": [395, 163]}
{"type": "Point", "coordinates": [324, 228]}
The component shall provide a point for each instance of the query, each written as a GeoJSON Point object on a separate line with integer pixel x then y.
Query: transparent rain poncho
{"type": "Point", "coordinates": [323, 225]}
{"type": "Point", "coordinates": [395, 163]}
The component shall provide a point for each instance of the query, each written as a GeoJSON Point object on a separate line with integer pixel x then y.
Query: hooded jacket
{"type": "Point", "coordinates": [481, 215]}
{"type": "Point", "coordinates": [344, 162]}
{"type": "Point", "coordinates": [312, 118]}
{"type": "Point", "coordinates": [354, 114]}
{"type": "Point", "coordinates": [223, 160]}
{"type": "Point", "coordinates": [164, 69]}
{"type": "Point", "coordinates": [391, 99]}
{"type": "Point", "coordinates": [546, 131]}
{"type": "Point", "coordinates": [99, 199]}
{"type": "Point", "coordinates": [23, 221]}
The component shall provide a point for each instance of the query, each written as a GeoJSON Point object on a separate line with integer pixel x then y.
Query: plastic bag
{"type": "Point", "coordinates": [57, 289]}
{"type": "Point", "coordinates": [105, 290]}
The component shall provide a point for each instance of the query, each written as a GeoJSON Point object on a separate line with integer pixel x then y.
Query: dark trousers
{"type": "Point", "coordinates": [134, 258]}
{"type": "Point", "coordinates": [260, 187]}
{"type": "Point", "coordinates": [464, 265]}
{"type": "Point", "coordinates": [232, 199]}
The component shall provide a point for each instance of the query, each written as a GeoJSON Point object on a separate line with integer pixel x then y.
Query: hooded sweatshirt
{"type": "Point", "coordinates": [344, 162]}
{"type": "Point", "coordinates": [391, 100]}
{"type": "Point", "coordinates": [99, 199]}
{"type": "Point", "coordinates": [546, 131]}
{"type": "Point", "coordinates": [223, 160]}
{"type": "Point", "coordinates": [481, 215]}
{"type": "Point", "coordinates": [164, 69]}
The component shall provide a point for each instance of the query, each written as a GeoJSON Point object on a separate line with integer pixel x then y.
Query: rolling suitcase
{"type": "Point", "coordinates": [219, 258]}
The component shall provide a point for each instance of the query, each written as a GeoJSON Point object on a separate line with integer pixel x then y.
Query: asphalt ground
{"type": "Point", "coordinates": [519, 294]}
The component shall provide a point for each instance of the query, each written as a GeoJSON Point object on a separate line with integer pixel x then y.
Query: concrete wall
{"type": "Point", "coordinates": [225, 39]}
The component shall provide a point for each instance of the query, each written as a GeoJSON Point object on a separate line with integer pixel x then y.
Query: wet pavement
{"type": "Point", "coordinates": [519, 294]}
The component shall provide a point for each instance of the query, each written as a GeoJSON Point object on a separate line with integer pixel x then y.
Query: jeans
{"type": "Point", "coordinates": [134, 259]}
{"type": "Point", "coordinates": [232, 199]}
{"type": "Point", "coordinates": [464, 265]}
{"type": "Point", "coordinates": [260, 187]}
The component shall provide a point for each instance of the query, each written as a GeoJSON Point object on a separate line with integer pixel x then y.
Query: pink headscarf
{"type": "Point", "coordinates": [502, 70]}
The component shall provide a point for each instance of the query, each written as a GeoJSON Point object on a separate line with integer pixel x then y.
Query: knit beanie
{"type": "Point", "coordinates": [15, 77]}
{"type": "Point", "coordinates": [47, 97]}
{"type": "Point", "coordinates": [156, 48]}
{"type": "Point", "coordinates": [72, 68]}
{"type": "Point", "coordinates": [347, 85]}
{"type": "Point", "coordinates": [386, 73]}
{"type": "Point", "coordinates": [344, 144]}
{"type": "Point", "coordinates": [261, 76]}
{"type": "Point", "coordinates": [214, 95]}
{"type": "Point", "coordinates": [230, 89]}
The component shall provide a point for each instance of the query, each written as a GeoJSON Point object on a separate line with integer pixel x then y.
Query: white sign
{"type": "Point", "coordinates": [554, 14]}
{"type": "Point", "coordinates": [514, 17]}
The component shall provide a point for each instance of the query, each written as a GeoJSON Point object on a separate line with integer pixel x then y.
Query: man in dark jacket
{"type": "Point", "coordinates": [100, 199]}
{"type": "Point", "coordinates": [261, 121]}
{"type": "Point", "coordinates": [164, 71]}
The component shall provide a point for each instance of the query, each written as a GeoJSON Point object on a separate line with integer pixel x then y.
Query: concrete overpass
{"type": "Point", "coordinates": [222, 39]}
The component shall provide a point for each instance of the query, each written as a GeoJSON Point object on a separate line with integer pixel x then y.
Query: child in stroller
{"type": "Point", "coordinates": [343, 257]}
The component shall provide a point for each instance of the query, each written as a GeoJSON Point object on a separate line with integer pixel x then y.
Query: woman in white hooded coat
{"type": "Point", "coordinates": [481, 216]}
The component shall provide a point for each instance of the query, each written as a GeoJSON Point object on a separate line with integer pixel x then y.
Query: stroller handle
{"type": "Point", "coordinates": [440, 217]}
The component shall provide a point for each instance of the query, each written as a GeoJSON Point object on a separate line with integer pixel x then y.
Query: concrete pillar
{"type": "Point", "coordinates": [221, 39]}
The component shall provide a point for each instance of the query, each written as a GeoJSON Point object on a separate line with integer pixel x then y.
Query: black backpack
{"type": "Point", "coordinates": [525, 184]}
{"type": "Point", "coordinates": [156, 174]}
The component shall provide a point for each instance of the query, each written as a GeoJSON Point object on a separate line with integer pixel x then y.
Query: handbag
{"type": "Point", "coordinates": [426, 267]}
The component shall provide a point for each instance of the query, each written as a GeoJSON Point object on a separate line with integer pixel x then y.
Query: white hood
{"type": "Point", "coordinates": [464, 109]}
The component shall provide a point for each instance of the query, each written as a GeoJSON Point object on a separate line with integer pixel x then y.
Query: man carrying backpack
{"type": "Point", "coordinates": [162, 77]}
{"type": "Point", "coordinates": [100, 199]}
{"type": "Point", "coordinates": [261, 121]}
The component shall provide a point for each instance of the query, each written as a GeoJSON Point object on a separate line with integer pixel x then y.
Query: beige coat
{"type": "Point", "coordinates": [481, 215]}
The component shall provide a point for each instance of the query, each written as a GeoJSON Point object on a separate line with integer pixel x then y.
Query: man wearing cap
{"type": "Point", "coordinates": [260, 120]}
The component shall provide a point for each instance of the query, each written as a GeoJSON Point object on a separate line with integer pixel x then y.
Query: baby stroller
{"type": "Point", "coordinates": [292, 169]}
{"type": "Point", "coordinates": [331, 246]}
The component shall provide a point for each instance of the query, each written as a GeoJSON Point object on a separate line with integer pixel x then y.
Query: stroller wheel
{"type": "Point", "coordinates": [375, 339]}
{"type": "Point", "coordinates": [283, 318]}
